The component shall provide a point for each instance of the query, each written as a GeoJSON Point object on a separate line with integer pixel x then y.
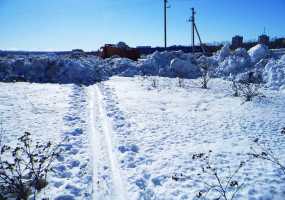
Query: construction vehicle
{"type": "Point", "coordinates": [121, 50]}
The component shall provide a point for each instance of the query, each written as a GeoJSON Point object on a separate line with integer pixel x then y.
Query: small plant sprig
{"type": "Point", "coordinates": [265, 153]}
{"type": "Point", "coordinates": [181, 82]}
{"type": "Point", "coordinates": [24, 168]}
{"type": "Point", "coordinates": [225, 188]}
{"type": "Point", "coordinates": [205, 65]}
{"type": "Point", "coordinates": [154, 82]}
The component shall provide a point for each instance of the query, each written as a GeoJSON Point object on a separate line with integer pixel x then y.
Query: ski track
{"type": "Point", "coordinates": [107, 178]}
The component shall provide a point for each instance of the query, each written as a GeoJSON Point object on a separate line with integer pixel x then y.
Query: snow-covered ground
{"type": "Point", "coordinates": [56, 113]}
{"type": "Point", "coordinates": [157, 130]}
{"type": "Point", "coordinates": [125, 139]}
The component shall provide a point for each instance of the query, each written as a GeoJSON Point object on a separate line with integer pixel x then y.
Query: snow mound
{"type": "Point", "coordinates": [223, 53]}
{"type": "Point", "coordinates": [53, 69]}
{"type": "Point", "coordinates": [88, 69]}
{"type": "Point", "coordinates": [235, 63]}
{"type": "Point", "coordinates": [170, 63]}
{"type": "Point", "coordinates": [121, 66]}
{"type": "Point", "coordinates": [258, 52]}
{"type": "Point", "coordinates": [184, 68]}
{"type": "Point", "coordinates": [274, 74]}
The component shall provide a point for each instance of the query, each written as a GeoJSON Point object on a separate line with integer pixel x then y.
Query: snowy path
{"type": "Point", "coordinates": [107, 179]}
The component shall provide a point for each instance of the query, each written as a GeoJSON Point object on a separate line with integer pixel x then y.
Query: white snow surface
{"type": "Point", "coordinates": [56, 113]}
{"type": "Point", "coordinates": [258, 52]}
{"type": "Point", "coordinates": [125, 139]}
{"type": "Point", "coordinates": [157, 131]}
{"type": "Point", "coordinates": [274, 74]}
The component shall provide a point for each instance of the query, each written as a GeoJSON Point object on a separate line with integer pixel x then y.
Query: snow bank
{"type": "Point", "coordinates": [119, 66]}
{"type": "Point", "coordinates": [183, 68]}
{"type": "Point", "coordinates": [258, 52]}
{"type": "Point", "coordinates": [274, 73]}
{"type": "Point", "coordinates": [171, 64]}
{"type": "Point", "coordinates": [240, 63]}
{"type": "Point", "coordinates": [223, 53]}
{"type": "Point", "coordinates": [232, 62]}
{"type": "Point", "coordinates": [50, 69]}
{"type": "Point", "coordinates": [86, 69]}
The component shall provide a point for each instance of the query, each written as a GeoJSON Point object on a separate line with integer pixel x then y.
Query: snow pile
{"type": "Point", "coordinates": [184, 68]}
{"type": "Point", "coordinates": [240, 63]}
{"type": "Point", "coordinates": [223, 53]}
{"type": "Point", "coordinates": [232, 62]}
{"type": "Point", "coordinates": [87, 69]}
{"type": "Point", "coordinates": [171, 64]}
{"type": "Point", "coordinates": [119, 66]}
{"type": "Point", "coordinates": [258, 53]}
{"type": "Point", "coordinates": [274, 73]}
{"type": "Point", "coordinates": [59, 69]}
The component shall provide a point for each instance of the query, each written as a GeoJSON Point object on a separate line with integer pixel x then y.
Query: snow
{"type": "Point", "coordinates": [237, 62]}
{"type": "Point", "coordinates": [168, 124]}
{"type": "Point", "coordinates": [223, 53]}
{"type": "Point", "coordinates": [184, 68]}
{"type": "Point", "coordinates": [115, 189]}
{"type": "Point", "coordinates": [171, 64]}
{"type": "Point", "coordinates": [52, 69]}
{"type": "Point", "coordinates": [125, 139]}
{"type": "Point", "coordinates": [258, 52]}
{"type": "Point", "coordinates": [274, 74]}
{"type": "Point", "coordinates": [87, 69]}
{"type": "Point", "coordinates": [59, 117]}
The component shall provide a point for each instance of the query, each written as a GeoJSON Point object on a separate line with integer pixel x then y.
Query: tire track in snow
{"type": "Point", "coordinates": [105, 162]}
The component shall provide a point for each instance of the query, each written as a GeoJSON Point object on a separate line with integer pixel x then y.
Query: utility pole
{"type": "Point", "coordinates": [193, 30]}
{"type": "Point", "coordinates": [165, 22]}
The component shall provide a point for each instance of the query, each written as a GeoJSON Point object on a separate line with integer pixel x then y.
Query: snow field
{"type": "Point", "coordinates": [159, 129]}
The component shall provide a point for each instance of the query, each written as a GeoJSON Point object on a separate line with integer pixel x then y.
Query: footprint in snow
{"type": "Point", "coordinates": [133, 148]}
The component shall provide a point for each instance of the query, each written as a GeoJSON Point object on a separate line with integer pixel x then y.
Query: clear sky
{"type": "Point", "coordinates": [88, 24]}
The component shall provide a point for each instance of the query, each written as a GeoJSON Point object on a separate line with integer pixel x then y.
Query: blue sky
{"type": "Point", "coordinates": [88, 24]}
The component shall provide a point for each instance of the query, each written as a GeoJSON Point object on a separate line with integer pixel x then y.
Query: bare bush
{"type": "Point", "coordinates": [181, 82]}
{"type": "Point", "coordinates": [24, 168]}
{"type": "Point", "coordinates": [235, 88]}
{"type": "Point", "coordinates": [223, 187]}
{"type": "Point", "coordinates": [154, 82]}
{"type": "Point", "coordinates": [205, 76]}
{"type": "Point", "coordinates": [205, 65]}
{"type": "Point", "coordinates": [248, 88]}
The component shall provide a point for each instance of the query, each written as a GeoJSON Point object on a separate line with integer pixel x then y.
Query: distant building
{"type": "Point", "coordinates": [263, 39]}
{"type": "Point", "coordinates": [237, 41]}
